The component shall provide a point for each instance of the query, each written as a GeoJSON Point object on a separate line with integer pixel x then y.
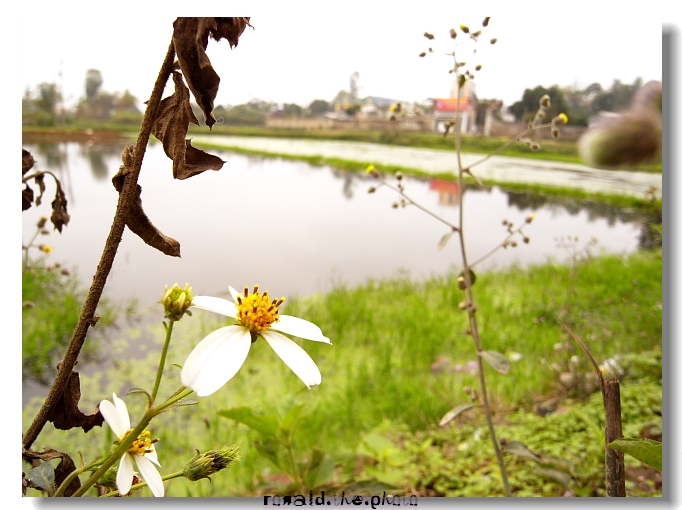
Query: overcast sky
{"type": "Point", "coordinates": [297, 57]}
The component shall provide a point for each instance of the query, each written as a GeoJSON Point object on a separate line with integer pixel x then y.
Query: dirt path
{"type": "Point", "coordinates": [497, 168]}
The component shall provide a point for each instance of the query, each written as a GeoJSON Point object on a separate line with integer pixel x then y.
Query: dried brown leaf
{"type": "Point", "coordinates": [190, 38]}
{"type": "Point", "coordinates": [66, 414]}
{"type": "Point", "coordinates": [40, 181]}
{"type": "Point", "coordinates": [136, 219]}
{"type": "Point", "coordinates": [170, 126]}
{"type": "Point", "coordinates": [27, 161]}
{"type": "Point", "coordinates": [65, 467]}
{"type": "Point", "coordinates": [26, 197]}
{"type": "Point", "coordinates": [59, 216]}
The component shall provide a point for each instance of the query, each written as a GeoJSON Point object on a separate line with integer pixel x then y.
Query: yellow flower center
{"type": "Point", "coordinates": [255, 311]}
{"type": "Point", "coordinates": [143, 443]}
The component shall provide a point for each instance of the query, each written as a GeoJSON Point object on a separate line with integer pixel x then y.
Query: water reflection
{"type": "Point", "coordinates": [295, 228]}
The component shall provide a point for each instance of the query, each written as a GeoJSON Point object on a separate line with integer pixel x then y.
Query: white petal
{"type": "Point", "coordinates": [116, 415]}
{"type": "Point", "coordinates": [300, 328]}
{"type": "Point", "coordinates": [124, 476]}
{"type": "Point", "coordinates": [150, 475]}
{"type": "Point", "coordinates": [216, 359]}
{"type": "Point", "coordinates": [234, 293]}
{"type": "Point", "coordinates": [215, 304]}
{"type": "Point", "coordinates": [153, 456]}
{"type": "Point", "coordinates": [295, 357]}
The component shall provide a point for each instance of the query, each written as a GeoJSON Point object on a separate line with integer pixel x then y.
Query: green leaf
{"type": "Point", "coordinates": [290, 417]}
{"type": "Point", "coordinates": [520, 450]}
{"type": "Point", "coordinates": [320, 470]}
{"type": "Point", "coordinates": [444, 240]}
{"type": "Point", "coordinates": [269, 448]}
{"type": "Point", "coordinates": [554, 475]}
{"type": "Point", "coordinates": [43, 477]}
{"type": "Point", "coordinates": [265, 424]}
{"type": "Point", "coordinates": [646, 450]}
{"type": "Point", "coordinates": [180, 403]}
{"type": "Point", "coordinates": [496, 360]}
{"type": "Point", "coordinates": [454, 413]}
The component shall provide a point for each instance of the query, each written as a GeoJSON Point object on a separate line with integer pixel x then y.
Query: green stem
{"type": "Point", "coordinates": [130, 437]}
{"type": "Point", "coordinates": [162, 361]}
{"type": "Point", "coordinates": [472, 313]}
{"type": "Point", "coordinates": [67, 481]}
{"type": "Point", "coordinates": [141, 485]}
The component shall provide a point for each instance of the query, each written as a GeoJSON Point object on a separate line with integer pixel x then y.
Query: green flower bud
{"type": "Point", "coordinates": [176, 302]}
{"type": "Point", "coordinates": [204, 465]}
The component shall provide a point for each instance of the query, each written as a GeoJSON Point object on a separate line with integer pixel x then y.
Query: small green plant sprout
{"type": "Point", "coordinates": [305, 472]}
{"type": "Point", "coordinates": [219, 356]}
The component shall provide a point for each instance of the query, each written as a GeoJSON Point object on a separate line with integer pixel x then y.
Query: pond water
{"type": "Point", "coordinates": [294, 228]}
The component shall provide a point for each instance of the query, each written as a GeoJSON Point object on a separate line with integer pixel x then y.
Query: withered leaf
{"type": "Point", "coordinates": [26, 197]}
{"type": "Point", "coordinates": [27, 161]}
{"type": "Point", "coordinates": [40, 181]}
{"type": "Point", "coordinates": [65, 467]}
{"type": "Point", "coordinates": [190, 38]}
{"type": "Point", "coordinates": [59, 216]}
{"type": "Point", "coordinates": [170, 126]}
{"type": "Point", "coordinates": [136, 220]}
{"type": "Point", "coordinates": [66, 414]}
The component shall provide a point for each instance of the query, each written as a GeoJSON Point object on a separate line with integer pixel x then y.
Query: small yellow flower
{"type": "Point", "coordinates": [370, 169]}
{"type": "Point", "coordinates": [46, 248]}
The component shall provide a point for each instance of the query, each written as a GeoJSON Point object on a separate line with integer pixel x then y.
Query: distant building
{"type": "Point", "coordinates": [445, 109]}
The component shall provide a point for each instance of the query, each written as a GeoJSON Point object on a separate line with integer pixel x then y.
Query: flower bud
{"type": "Point", "coordinates": [464, 29]}
{"type": "Point", "coordinates": [493, 40]}
{"type": "Point", "coordinates": [545, 102]}
{"type": "Point", "coordinates": [176, 302]}
{"type": "Point", "coordinates": [372, 189]}
{"type": "Point", "coordinates": [41, 222]}
{"type": "Point", "coordinates": [204, 465]}
{"type": "Point", "coordinates": [422, 54]}
{"type": "Point", "coordinates": [453, 33]}
{"type": "Point", "coordinates": [428, 36]}
{"type": "Point", "coordinates": [562, 118]}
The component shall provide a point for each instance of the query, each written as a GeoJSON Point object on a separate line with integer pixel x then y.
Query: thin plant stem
{"type": "Point", "coordinates": [142, 485]}
{"type": "Point", "coordinates": [125, 201]}
{"type": "Point", "coordinates": [472, 310]}
{"type": "Point", "coordinates": [162, 361]}
{"type": "Point", "coordinates": [67, 481]}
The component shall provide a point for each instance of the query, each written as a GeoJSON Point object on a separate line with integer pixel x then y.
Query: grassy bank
{"type": "Point", "coordinates": [552, 150]}
{"type": "Point", "coordinates": [398, 363]}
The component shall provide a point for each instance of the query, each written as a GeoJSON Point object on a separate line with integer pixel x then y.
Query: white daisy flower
{"type": "Point", "coordinates": [219, 356]}
{"type": "Point", "coordinates": [141, 451]}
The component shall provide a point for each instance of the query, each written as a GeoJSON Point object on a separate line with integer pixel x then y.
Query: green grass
{"type": "Point", "coordinates": [386, 337]}
{"type": "Point", "coordinates": [52, 302]}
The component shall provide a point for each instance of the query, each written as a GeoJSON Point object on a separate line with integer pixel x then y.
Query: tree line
{"type": "Point", "coordinates": [44, 106]}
